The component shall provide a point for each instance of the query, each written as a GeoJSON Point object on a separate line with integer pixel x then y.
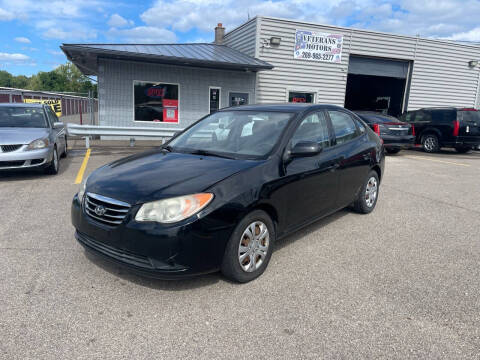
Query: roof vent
{"type": "Point", "coordinates": [219, 34]}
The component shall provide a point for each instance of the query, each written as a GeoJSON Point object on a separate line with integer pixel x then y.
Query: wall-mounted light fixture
{"type": "Point", "coordinates": [473, 63]}
{"type": "Point", "coordinates": [275, 40]}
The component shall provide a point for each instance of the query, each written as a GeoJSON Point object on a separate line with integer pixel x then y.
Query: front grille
{"type": "Point", "coordinates": [6, 164]}
{"type": "Point", "coordinates": [10, 148]}
{"type": "Point", "coordinates": [105, 210]}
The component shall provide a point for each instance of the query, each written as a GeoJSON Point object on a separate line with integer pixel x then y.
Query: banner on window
{"type": "Point", "coordinates": [55, 104]}
{"type": "Point", "coordinates": [315, 46]}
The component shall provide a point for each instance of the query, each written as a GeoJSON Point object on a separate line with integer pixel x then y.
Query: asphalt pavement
{"type": "Point", "coordinates": [401, 282]}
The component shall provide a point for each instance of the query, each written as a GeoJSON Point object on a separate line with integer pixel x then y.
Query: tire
{"type": "Point", "coordinates": [392, 151]}
{"type": "Point", "coordinates": [366, 201]}
{"type": "Point", "coordinates": [65, 153]}
{"type": "Point", "coordinates": [430, 143]}
{"type": "Point", "coordinates": [242, 247]}
{"type": "Point", "coordinates": [54, 165]}
{"type": "Point", "coordinates": [463, 149]}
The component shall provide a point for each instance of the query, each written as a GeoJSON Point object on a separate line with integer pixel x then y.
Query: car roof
{"type": "Point", "coordinates": [30, 105]}
{"type": "Point", "coordinates": [282, 107]}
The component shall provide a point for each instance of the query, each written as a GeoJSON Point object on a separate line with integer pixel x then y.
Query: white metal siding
{"type": "Point", "coordinates": [441, 75]}
{"type": "Point", "coordinates": [243, 37]}
{"type": "Point", "coordinates": [115, 87]}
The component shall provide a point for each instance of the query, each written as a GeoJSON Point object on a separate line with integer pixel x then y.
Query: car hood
{"type": "Point", "coordinates": [10, 136]}
{"type": "Point", "coordinates": [156, 174]}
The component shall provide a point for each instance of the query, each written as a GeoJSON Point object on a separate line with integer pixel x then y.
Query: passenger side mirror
{"type": "Point", "coordinates": [305, 148]}
{"type": "Point", "coordinates": [58, 125]}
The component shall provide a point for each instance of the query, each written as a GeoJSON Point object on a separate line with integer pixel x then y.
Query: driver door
{"type": "Point", "coordinates": [312, 182]}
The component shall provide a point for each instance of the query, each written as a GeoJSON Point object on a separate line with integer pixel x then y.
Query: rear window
{"type": "Point", "coordinates": [22, 117]}
{"type": "Point", "coordinates": [378, 118]}
{"type": "Point", "coordinates": [469, 115]}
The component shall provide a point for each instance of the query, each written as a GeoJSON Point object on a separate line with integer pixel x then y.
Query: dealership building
{"type": "Point", "coordinates": [271, 60]}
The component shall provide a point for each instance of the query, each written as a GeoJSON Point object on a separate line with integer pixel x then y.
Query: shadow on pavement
{"type": "Point", "coordinates": [34, 174]}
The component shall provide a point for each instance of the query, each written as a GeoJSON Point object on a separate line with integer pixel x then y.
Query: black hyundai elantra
{"type": "Point", "coordinates": [219, 195]}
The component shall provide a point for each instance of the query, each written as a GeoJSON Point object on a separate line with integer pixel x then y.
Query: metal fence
{"type": "Point", "coordinates": [88, 131]}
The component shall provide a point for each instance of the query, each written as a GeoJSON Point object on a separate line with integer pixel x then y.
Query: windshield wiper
{"type": "Point", "coordinates": [209, 153]}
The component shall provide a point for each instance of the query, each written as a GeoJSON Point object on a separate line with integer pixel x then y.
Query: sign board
{"type": "Point", "coordinates": [55, 104]}
{"type": "Point", "coordinates": [315, 46]}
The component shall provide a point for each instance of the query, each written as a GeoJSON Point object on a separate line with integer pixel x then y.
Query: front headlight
{"type": "Point", "coordinates": [173, 209]}
{"type": "Point", "coordinates": [81, 192]}
{"type": "Point", "coordinates": [38, 144]}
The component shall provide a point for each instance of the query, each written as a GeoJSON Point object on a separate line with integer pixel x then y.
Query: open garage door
{"type": "Point", "coordinates": [375, 84]}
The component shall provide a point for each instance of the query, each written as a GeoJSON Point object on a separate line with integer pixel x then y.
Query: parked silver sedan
{"type": "Point", "coordinates": [31, 137]}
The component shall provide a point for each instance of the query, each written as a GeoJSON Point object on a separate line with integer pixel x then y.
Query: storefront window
{"type": "Point", "coordinates": [301, 97]}
{"type": "Point", "coordinates": [156, 102]}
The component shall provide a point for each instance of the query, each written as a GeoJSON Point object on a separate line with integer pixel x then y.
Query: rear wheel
{"type": "Point", "coordinates": [430, 143]}
{"type": "Point", "coordinates": [250, 248]}
{"type": "Point", "coordinates": [463, 149]}
{"type": "Point", "coordinates": [392, 150]}
{"type": "Point", "coordinates": [368, 195]}
{"type": "Point", "coordinates": [52, 169]}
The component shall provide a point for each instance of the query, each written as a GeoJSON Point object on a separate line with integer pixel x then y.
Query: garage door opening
{"type": "Point", "coordinates": [377, 85]}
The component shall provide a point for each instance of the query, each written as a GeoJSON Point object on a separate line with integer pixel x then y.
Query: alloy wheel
{"type": "Point", "coordinates": [429, 143]}
{"type": "Point", "coordinates": [371, 191]}
{"type": "Point", "coordinates": [55, 159]}
{"type": "Point", "coordinates": [253, 246]}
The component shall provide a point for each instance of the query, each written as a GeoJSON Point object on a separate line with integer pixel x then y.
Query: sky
{"type": "Point", "coordinates": [31, 31]}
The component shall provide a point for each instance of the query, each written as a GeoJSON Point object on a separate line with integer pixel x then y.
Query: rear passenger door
{"type": "Point", "coordinates": [352, 150]}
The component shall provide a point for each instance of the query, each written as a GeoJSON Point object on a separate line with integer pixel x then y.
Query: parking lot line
{"type": "Point", "coordinates": [81, 171]}
{"type": "Point", "coordinates": [439, 161]}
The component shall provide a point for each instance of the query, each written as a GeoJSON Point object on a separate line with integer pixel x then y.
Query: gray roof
{"type": "Point", "coordinates": [215, 56]}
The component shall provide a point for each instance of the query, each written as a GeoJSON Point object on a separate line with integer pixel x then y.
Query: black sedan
{"type": "Point", "coordinates": [396, 135]}
{"type": "Point", "coordinates": [220, 193]}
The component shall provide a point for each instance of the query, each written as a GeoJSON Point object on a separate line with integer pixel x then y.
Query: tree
{"type": "Point", "coordinates": [64, 78]}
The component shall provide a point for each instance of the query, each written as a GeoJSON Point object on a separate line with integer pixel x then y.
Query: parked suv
{"type": "Point", "coordinates": [458, 128]}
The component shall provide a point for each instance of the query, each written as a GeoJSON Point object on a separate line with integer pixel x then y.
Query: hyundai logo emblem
{"type": "Point", "coordinates": [100, 210]}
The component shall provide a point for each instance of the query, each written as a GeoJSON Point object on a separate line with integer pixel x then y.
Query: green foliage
{"type": "Point", "coordinates": [64, 78]}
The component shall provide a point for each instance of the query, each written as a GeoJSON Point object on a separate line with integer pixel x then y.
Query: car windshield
{"type": "Point", "coordinates": [22, 117]}
{"type": "Point", "coordinates": [243, 134]}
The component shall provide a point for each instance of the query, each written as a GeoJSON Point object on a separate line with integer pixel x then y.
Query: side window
{"type": "Point", "coordinates": [343, 126]}
{"type": "Point", "coordinates": [48, 117]}
{"type": "Point", "coordinates": [313, 128]}
{"type": "Point", "coordinates": [423, 116]}
{"type": "Point", "coordinates": [53, 115]}
{"type": "Point", "coordinates": [360, 125]}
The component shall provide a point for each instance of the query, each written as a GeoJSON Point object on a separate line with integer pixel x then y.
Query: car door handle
{"type": "Point", "coordinates": [332, 167]}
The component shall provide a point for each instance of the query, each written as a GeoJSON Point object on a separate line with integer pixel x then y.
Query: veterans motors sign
{"type": "Point", "coordinates": [314, 46]}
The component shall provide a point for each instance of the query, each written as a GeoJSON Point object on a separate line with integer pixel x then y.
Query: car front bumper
{"type": "Point", "coordinates": [25, 159]}
{"type": "Point", "coordinates": [400, 142]}
{"type": "Point", "coordinates": [152, 249]}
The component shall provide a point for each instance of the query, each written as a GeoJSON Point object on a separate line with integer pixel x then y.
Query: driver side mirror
{"type": "Point", "coordinates": [58, 125]}
{"type": "Point", "coordinates": [305, 148]}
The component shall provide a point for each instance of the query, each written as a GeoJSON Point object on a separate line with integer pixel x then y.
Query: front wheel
{"type": "Point", "coordinates": [368, 194]}
{"type": "Point", "coordinates": [52, 169]}
{"type": "Point", "coordinates": [430, 143]}
{"type": "Point", "coordinates": [250, 248]}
